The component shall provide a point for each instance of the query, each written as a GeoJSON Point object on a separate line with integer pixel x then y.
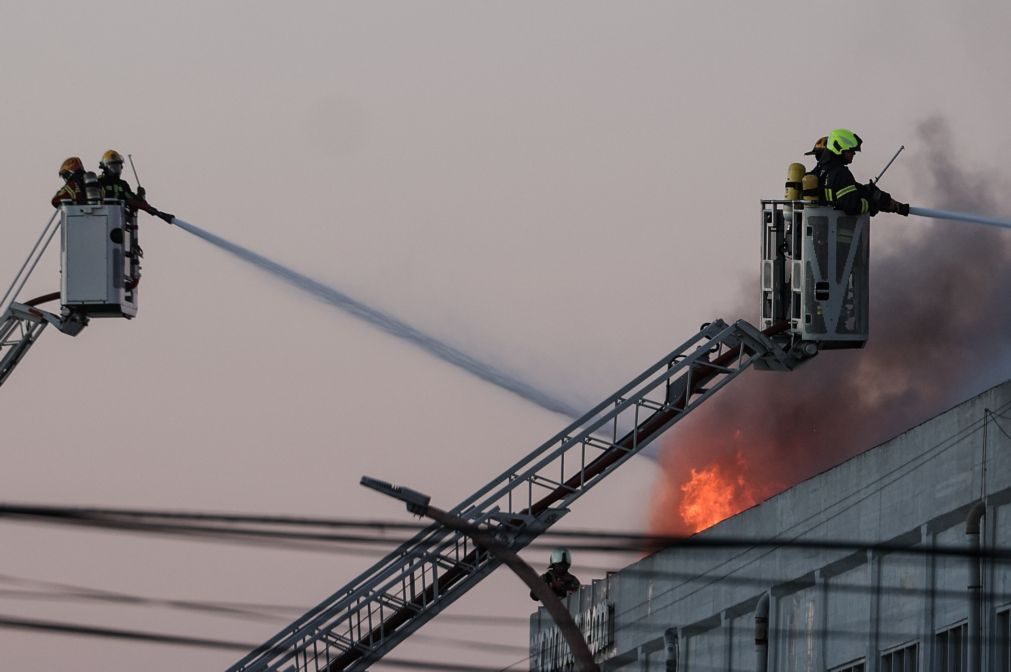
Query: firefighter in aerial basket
{"type": "Point", "coordinates": [837, 186]}
{"type": "Point", "coordinates": [116, 188]}
{"type": "Point", "coordinates": [72, 172]}
{"type": "Point", "coordinates": [558, 578]}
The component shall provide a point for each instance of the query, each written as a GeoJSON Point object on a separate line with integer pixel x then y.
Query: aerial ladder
{"type": "Point", "coordinates": [99, 275]}
{"type": "Point", "coordinates": [813, 297]}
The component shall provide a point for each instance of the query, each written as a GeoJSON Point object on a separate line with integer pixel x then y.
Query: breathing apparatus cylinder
{"type": "Point", "coordinates": [810, 185]}
{"type": "Point", "coordinates": [794, 177]}
{"type": "Point", "coordinates": [92, 189]}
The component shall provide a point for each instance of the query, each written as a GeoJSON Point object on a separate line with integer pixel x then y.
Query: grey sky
{"type": "Point", "coordinates": [565, 189]}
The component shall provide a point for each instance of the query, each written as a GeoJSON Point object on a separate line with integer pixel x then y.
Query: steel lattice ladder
{"type": "Point", "coordinates": [20, 326]}
{"type": "Point", "coordinates": [363, 621]}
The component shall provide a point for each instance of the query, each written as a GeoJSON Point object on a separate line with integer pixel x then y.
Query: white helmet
{"type": "Point", "coordinates": [561, 556]}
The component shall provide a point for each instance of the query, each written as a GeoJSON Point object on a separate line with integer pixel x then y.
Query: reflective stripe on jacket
{"type": "Point", "coordinates": [72, 191]}
{"type": "Point", "coordinates": [117, 189]}
{"type": "Point", "coordinates": [840, 188]}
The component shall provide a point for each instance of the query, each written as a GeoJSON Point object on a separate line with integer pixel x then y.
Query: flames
{"type": "Point", "coordinates": [710, 496]}
{"type": "Point", "coordinates": [692, 497]}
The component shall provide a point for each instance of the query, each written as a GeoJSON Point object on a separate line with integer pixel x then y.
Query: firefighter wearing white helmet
{"type": "Point", "coordinates": [558, 578]}
{"type": "Point", "coordinates": [116, 188]}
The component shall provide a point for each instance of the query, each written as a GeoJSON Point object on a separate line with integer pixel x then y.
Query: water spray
{"type": "Point", "coordinates": [959, 217]}
{"type": "Point", "coordinates": [389, 324]}
{"type": "Point", "coordinates": [943, 214]}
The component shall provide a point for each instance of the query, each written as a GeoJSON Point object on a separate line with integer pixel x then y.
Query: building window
{"type": "Point", "coordinates": [852, 666]}
{"type": "Point", "coordinates": [903, 659]}
{"type": "Point", "coordinates": [1003, 635]}
{"type": "Point", "coordinates": [952, 653]}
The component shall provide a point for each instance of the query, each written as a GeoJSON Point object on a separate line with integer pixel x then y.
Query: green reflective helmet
{"type": "Point", "coordinates": [842, 140]}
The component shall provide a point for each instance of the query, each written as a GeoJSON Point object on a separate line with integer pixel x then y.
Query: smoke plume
{"type": "Point", "coordinates": [940, 321]}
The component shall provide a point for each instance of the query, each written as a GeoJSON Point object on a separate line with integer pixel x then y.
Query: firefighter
{"type": "Point", "coordinates": [558, 578]}
{"type": "Point", "coordinates": [813, 193]}
{"type": "Point", "coordinates": [818, 149]}
{"type": "Point", "coordinates": [114, 187]}
{"type": "Point", "coordinates": [72, 172]}
{"type": "Point", "coordinates": [838, 186]}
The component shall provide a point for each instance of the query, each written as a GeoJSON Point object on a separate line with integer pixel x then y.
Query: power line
{"type": "Point", "coordinates": [85, 630]}
{"type": "Point", "coordinates": [252, 611]}
{"type": "Point", "coordinates": [618, 542]}
{"type": "Point", "coordinates": [65, 592]}
{"type": "Point", "coordinates": [115, 633]}
{"type": "Point", "coordinates": [297, 521]}
{"type": "Point", "coordinates": [609, 542]}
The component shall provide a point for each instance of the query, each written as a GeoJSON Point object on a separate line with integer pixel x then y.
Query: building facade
{"type": "Point", "coordinates": [865, 567]}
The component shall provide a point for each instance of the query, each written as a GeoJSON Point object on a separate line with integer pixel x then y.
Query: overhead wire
{"type": "Point", "coordinates": [226, 609]}
{"type": "Point", "coordinates": [62, 591]}
{"type": "Point", "coordinates": [86, 630]}
{"type": "Point", "coordinates": [74, 628]}
{"type": "Point", "coordinates": [259, 611]}
{"type": "Point", "coordinates": [622, 541]}
{"type": "Point", "coordinates": [597, 541]}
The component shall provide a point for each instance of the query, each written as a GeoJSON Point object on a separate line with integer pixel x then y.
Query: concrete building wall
{"type": "Point", "coordinates": [830, 606]}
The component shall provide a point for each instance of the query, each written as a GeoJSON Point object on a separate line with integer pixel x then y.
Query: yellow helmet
{"type": "Point", "coordinates": [70, 166]}
{"type": "Point", "coordinates": [110, 156]}
{"type": "Point", "coordinates": [843, 140]}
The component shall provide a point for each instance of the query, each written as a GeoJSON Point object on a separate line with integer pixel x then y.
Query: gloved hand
{"type": "Point", "coordinates": [882, 200]}
{"type": "Point", "coordinates": [900, 208]}
{"type": "Point", "coordinates": [166, 216]}
{"type": "Point", "coordinates": [141, 192]}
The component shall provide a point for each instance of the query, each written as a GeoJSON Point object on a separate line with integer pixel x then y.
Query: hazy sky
{"type": "Point", "coordinates": [566, 189]}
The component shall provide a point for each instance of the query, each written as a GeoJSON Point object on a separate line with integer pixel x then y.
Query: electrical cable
{"type": "Point", "coordinates": [237, 610]}
{"type": "Point", "coordinates": [85, 630]}
{"type": "Point", "coordinates": [88, 630]}
{"type": "Point", "coordinates": [619, 542]}
{"type": "Point", "coordinates": [879, 483]}
{"type": "Point", "coordinates": [297, 521]}
{"type": "Point", "coordinates": [275, 613]}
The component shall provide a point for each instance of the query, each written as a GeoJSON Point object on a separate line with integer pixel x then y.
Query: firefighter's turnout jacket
{"type": "Point", "coordinates": [72, 190]}
{"type": "Point", "coordinates": [840, 189]}
{"type": "Point", "coordinates": [118, 189]}
{"type": "Point", "coordinates": [560, 581]}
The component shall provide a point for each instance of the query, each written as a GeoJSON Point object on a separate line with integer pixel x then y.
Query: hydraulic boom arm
{"type": "Point", "coordinates": [363, 621]}
{"type": "Point", "coordinates": [20, 326]}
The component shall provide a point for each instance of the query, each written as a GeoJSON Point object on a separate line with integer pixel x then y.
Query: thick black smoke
{"type": "Point", "coordinates": [940, 324]}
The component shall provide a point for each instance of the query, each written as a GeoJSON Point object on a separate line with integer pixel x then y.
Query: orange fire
{"type": "Point", "coordinates": [710, 496]}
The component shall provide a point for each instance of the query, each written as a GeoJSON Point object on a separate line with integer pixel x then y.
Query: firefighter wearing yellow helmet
{"type": "Point", "coordinates": [72, 172]}
{"type": "Point", "coordinates": [840, 189]}
{"type": "Point", "coordinates": [116, 188]}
